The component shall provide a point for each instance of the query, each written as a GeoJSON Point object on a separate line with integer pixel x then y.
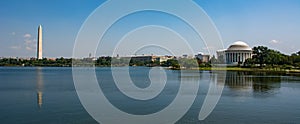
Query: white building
{"type": "Point", "coordinates": [238, 53]}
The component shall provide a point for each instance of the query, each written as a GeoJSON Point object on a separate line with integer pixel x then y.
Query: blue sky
{"type": "Point", "coordinates": [273, 23]}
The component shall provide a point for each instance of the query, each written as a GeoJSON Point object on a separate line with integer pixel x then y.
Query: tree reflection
{"type": "Point", "coordinates": [256, 82]}
{"type": "Point", "coordinates": [266, 83]}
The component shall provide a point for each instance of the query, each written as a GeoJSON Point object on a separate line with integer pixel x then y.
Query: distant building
{"type": "Point", "coordinates": [221, 56]}
{"type": "Point", "coordinates": [203, 58]}
{"type": "Point", "coordinates": [237, 53]}
{"type": "Point", "coordinates": [90, 55]}
{"type": "Point", "coordinates": [164, 58]}
{"type": "Point", "coordinates": [185, 56]}
{"type": "Point", "coordinates": [151, 58]}
{"type": "Point", "coordinates": [52, 59]}
{"type": "Point", "coordinates": [143, 58]}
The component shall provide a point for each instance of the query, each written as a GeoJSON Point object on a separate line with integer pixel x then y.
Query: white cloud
{"type": "Point", "coordinates": [209, 48]}
{"type": "Point", "coordinates": [15, 47]}
{"type": "Point", "coordinates": [30, 41]}
{"type": "Point", "coordinates": [29, 48]}
{"type": "Point", "coordinates": [30, 44]}
{"type": "Point", "coordinates": [27, 36]}
{"type": "Point", "coordinates": [274, 41]}
{"type": "Point", "coordinates": [13, 33]}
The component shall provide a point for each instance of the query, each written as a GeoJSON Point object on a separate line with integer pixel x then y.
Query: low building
{"type": "Point", "coordinates": [185, 56]}
{"type": "Point", "coordinates": [151, 58]}
{"type": "Point", "coordinates": [143, 58]}
{"type": "Point", "coordinates": [163, 58]}
{"type": "Point", "coordinates": [202, 57]}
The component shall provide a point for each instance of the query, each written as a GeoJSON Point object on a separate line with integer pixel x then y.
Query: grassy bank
{"type": "Point", "coordinates": [249, 69]}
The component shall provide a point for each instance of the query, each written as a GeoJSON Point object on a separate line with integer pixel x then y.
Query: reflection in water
{"type": "Point", "coordinates": [239, 81]}
{"type": "Point", "coordinates": [39, 87]}
{"type": "Point", "coordinates": [254, 82]}
{"type": "Point", "coordinates": [214, 93]}
{"type": "Point", "coordinates": [40, 98]}
{"type": "Point", "coordinates": [266, 83]}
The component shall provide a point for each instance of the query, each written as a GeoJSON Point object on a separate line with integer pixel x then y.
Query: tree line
{"type": "Point", "coordinates": [59, 62]}
{"type": "Point", "coordinates": [105, 61]}
{"type": "Point", "coordinates": [264, 57]}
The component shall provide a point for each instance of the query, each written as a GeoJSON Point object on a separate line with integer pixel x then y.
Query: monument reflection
{"type": "Point", "coordinates": [39, 87]}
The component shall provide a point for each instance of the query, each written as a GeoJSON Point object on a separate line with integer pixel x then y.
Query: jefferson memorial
{"type": "Point", "coordinates": [237, 53]}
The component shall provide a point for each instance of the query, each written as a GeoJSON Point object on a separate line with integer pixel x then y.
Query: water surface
{"type": "Point", "coordinates": [47, 95]}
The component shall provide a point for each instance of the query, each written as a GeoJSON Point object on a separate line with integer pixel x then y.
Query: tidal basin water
{"type": "Point", "coordinates": [30, 95]}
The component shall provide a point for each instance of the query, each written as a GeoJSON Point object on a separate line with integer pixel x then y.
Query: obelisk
{"type": "Point", "coordinates": [40, 43]}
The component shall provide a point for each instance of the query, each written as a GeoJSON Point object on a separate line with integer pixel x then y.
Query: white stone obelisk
{"type": "Point", "coordinates": [40, 43]}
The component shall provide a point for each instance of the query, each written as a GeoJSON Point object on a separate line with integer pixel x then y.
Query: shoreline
{"type": "Point", "coordinates": [239, 69]}
{"type": "Point", "coordinates": [200, 68]}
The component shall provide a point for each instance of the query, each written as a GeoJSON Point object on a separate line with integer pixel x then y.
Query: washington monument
{"type": "Point", "coordinates": [40, 43]}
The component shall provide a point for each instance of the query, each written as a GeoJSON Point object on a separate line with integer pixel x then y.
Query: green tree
{"type": "Point", "coordinates": [260, 55]}
{"type": "Point", "coordinates": [214, 60]}
{"type": "Point", "coordinates": [188, 63]}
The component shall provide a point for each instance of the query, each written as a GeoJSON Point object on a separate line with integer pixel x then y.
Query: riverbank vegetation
{"type": "Point", "coordinates": [264, 59]}
{"type": "Point", "coordinates": [59, 62]}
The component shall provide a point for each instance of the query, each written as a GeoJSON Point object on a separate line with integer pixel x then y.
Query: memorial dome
{"type": "Point", "coordinates": [239, 45]}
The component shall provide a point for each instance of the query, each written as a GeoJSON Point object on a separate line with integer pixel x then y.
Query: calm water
{"type": "Point", "coordinates": [48, 96]}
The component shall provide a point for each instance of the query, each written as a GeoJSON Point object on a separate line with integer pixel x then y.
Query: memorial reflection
{"type": "Point", "coordinates": [253, 81]}
{"type": "Point", "coordinates": [39, 87]}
